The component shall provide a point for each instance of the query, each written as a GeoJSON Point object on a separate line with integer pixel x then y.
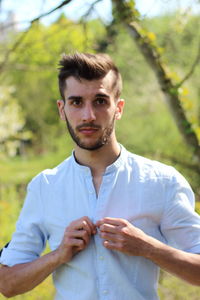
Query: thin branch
{"type": "Point", "coordinates": [194, 65]}
{"type": "Point", "coordinates": [21, 38]}
{"type": "Point", "coordinates": [51, 11]}
{"type": "Point", "coordinates": [14, 47]}
{"type": "Point", "coordinates": [91, 8]}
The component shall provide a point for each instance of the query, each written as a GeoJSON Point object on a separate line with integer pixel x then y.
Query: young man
{"type": "Point", "coordinates": [111, 217]}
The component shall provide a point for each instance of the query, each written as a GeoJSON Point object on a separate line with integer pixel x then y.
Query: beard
{"type": "Point", "coordinates": [101, 141]}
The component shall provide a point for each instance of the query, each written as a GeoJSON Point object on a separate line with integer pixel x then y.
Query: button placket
{"type": "Point", "coordinates": [101, 252]}
{"type": "Point", "coordinates": [101, 268]}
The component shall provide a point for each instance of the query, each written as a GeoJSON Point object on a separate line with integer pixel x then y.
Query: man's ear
{"type": "Point", "coordinates": [119, 109]}
{"type": "Point", "coordinates": [61, 105]}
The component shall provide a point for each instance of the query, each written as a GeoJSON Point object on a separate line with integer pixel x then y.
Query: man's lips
{"type": "Point", "coordinates": [88, 130]}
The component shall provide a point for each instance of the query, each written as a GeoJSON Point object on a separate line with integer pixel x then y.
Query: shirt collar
{"type": "Point", "coordinates": [110, 169]}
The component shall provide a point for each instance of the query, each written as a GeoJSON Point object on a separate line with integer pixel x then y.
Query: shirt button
{"type": "Point", "coordinates": [105, 292]}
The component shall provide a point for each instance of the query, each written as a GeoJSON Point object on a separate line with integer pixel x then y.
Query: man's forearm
{"type": "Point", "coordinates": [119, 234]}
{"type": "Point", "coordinates": [182, 264]}
{"type": "Point", "coordinates": [24, 277]}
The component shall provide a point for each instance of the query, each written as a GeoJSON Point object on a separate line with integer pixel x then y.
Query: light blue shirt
{"type": "Point", "coordinates": [152, 196]}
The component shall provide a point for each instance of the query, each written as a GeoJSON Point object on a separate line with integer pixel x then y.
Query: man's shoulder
{"type": "Point", "coordinates": [150, 168]}
{"type": "Point", "coordinates": [51, 176]}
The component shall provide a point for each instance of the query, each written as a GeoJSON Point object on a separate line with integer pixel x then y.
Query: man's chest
{"type": "Point", "coordinates": [138, 202]}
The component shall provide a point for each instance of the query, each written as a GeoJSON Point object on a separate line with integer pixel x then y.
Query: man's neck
{"type": "Point", "coordinates": [98, 160]}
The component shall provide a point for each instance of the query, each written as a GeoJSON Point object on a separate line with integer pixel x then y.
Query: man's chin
{"type": "Point", "coordinates": [90, 146]}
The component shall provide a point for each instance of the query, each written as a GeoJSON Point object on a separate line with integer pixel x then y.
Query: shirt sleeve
{"type": "Point", "coordinates": [181, 224]}
{"type": "Point", "coordinates": [30, 236]}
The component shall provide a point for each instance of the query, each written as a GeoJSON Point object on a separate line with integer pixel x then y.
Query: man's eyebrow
{"type": "Point", "coordinates": [102, 95]}
{"type": "Point", "coordinates": [74, 98]}
{"type": "Point", "coordinates": [99, 95]}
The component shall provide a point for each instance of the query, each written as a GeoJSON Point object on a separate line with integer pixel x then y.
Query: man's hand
{"type": "Point", "coordinates": [76, 238]}
{"type": "Point", "coordinates": [24, 277]}
{"type": "Point", "coordinates": [119, 234]}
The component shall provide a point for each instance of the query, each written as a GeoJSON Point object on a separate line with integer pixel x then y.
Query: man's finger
{"type": "Point", "coordinates": [110, 245]}
{"type": "Point", "coordinates": [83, 234]}
{"type": "Point", "coordinates": [74, 242]}
{"type": "Point", "coordinates": [110, 236]}
{"type": "Point", "coordinates": [91, 225]}
{"type": "Point", "coordinates": [86, 224]}
{"type": "Point", "coordinates": [108, 228]}
{"type": "Point", "coordinates": [111, 221]}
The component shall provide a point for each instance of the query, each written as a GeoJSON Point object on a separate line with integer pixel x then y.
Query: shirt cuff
{"type": "Point", "coordinates": [12, 257]}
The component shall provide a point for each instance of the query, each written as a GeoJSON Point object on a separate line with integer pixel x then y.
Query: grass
{"type": "Point", "coordinates": [172, 288]}
{"type": "Point", "coordinates": [19, 170]}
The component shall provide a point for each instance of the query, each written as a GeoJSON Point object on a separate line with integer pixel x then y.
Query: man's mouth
{"type": "Point", "coordinates": [88, 129]}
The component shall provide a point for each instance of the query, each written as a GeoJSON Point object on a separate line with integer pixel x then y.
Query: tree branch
{"type": "Point", "coordinates": [128, 15]}
{"type": "Point", "coordinates": [90, 9]}
{"type": "Point", "coordinates": [51, 11]}
{"type": "Point", "coordinates": [21, 38]}
{"type": "Point", "coordinates": [39, 17]}
{"type": "Point", "coordinates": [194, 65]}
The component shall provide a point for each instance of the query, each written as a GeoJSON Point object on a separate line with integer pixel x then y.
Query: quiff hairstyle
{"type": "Point", "coordinates": [88, 66]}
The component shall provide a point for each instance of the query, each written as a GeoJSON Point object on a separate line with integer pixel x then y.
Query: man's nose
{"type": "Point", "coordinates": [88, 113]}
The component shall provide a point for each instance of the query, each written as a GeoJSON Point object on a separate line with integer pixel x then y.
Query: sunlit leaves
{"type": "Point", "coordinates": [11, 122]}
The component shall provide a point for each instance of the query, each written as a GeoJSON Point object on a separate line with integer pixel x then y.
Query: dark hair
{"type": "Point", "coordinates": [89, 67]}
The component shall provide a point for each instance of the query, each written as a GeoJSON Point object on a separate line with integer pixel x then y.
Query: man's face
{"type": "Point", "coordinates": [90, 111]}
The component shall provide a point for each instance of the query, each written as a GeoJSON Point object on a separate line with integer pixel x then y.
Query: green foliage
{"type": "Point", "coordinates": [177, 36]}
{"type": "Point", "coordinates": [11, 123]}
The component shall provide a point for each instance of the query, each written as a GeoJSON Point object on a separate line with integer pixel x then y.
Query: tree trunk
{"type": "Point", "coordinates": [128, 15]}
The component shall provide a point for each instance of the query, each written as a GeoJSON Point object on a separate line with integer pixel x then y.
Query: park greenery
{"type": "Point", "coordinates": [32, 138]}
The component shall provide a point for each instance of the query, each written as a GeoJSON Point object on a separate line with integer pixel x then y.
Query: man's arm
{"type": "Point", "coordinates": [120, 235]}
{"type": "Point", "coordinates": [24, 277]}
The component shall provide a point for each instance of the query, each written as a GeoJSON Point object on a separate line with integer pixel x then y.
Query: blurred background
{"type": "Point", "coordinates": [33, 36]}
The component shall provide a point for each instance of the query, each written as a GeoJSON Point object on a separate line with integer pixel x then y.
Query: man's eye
{"type": "Point", "coordinates": [76, 102]}
{"type": "Point", "coordinates": [101, 101]}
